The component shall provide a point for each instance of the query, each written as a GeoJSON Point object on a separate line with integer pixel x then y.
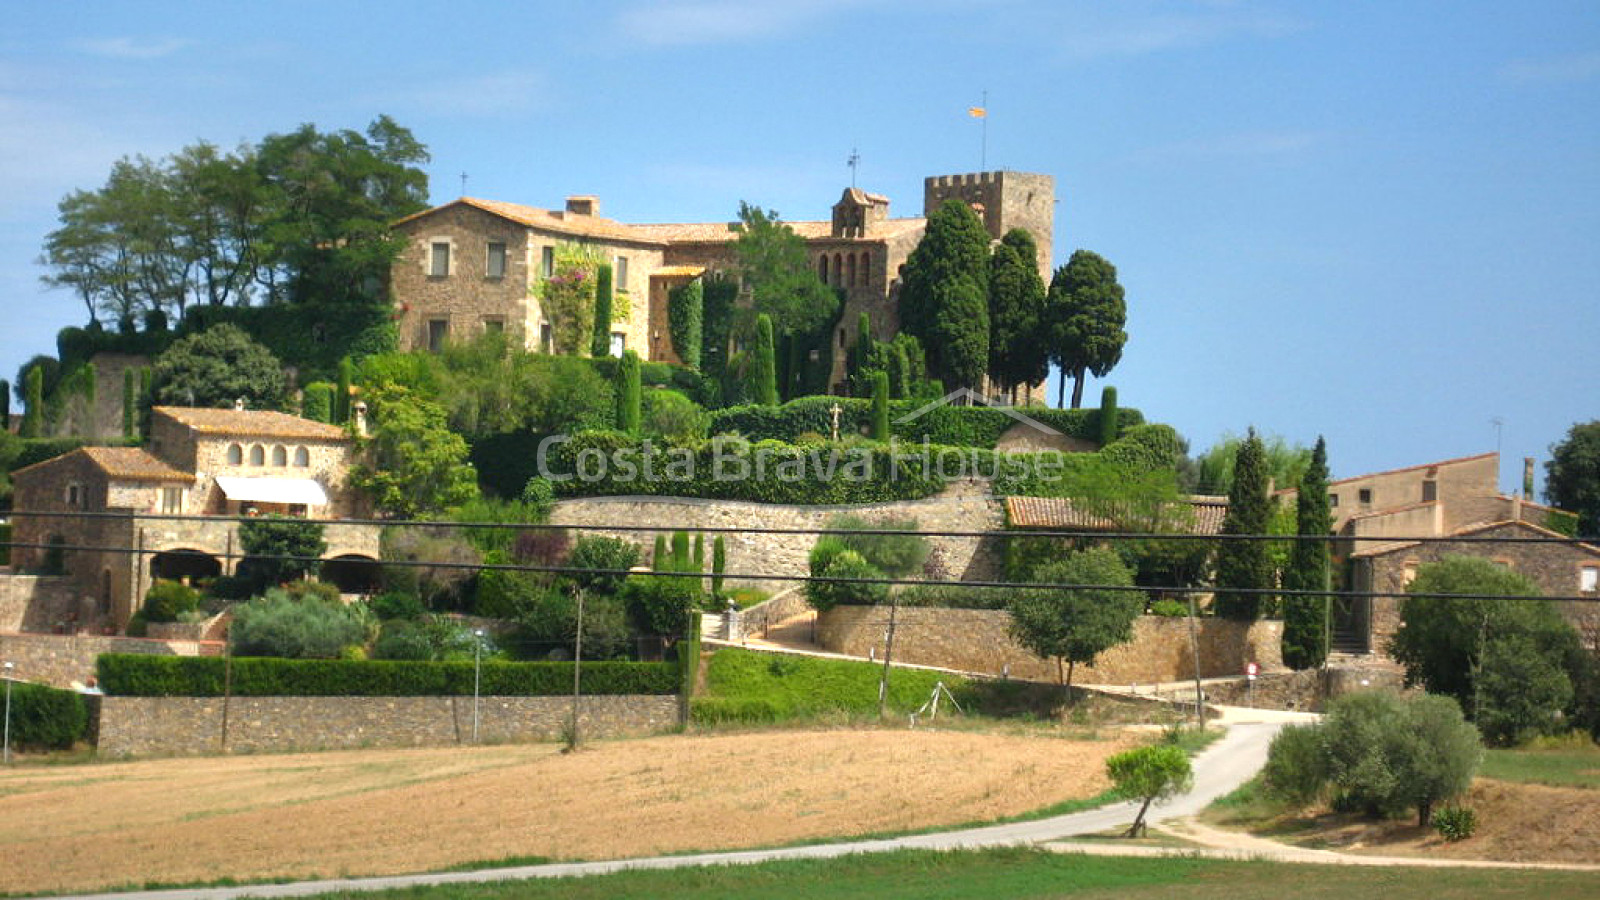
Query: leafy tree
{"type": "Point", "coordinates": [1245, 564]}
{"type": "Point", "coordinates": [944, 295]}
{"type": "Point", "coordinates": [414, 463]}
{"type": "Point", "coordinates": [603, 296]}
{"type": "Point", "coordinates": [217, 366]}
{"type": "Point", "coordinates": [282, 625]}
{"type": "Point", "coordinates": [660, 605]}
{"type": "Point", "coordinates": [279, 550]}
{"type": "Point", "coordinates": [1149, 775]}
{"type": "Point", "coordinates": [1572, 475]}
{"type": "Point", "coordinates": [685, 318]}
{"type": "Point", "coordinates": [1018, 354]}
{"type": "Point", "coordinates": [1305, 643]}
{"type": "Point", "coordinates": [1388, 754]}
{"type": "Point", "coordinates": [629, 394]}
{"type": "Point", "coordinates": [764, 373]}
{"type": "Point", "coordinates": [1085, 314]}
{"type": "Point", "coordinates": [842, 564]}
{"type": "Point", "coordinates": [548, 628]}
{"type": "Point", "coordinates": [1522, 690]}
{"type": "Point", "coordinates": [1297, 766]}
{"type": "Point", "coordinates": [1286, 463]}
{"type": "Point", "coordinates": [1074, 623]}
{"type": "Point", "coordinates": [776, 270]}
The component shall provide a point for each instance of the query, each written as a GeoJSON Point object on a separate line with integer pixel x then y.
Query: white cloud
{"type": "Point", "coordinates": [722, 21]}
{"type": "Point", "coordinates": [483, 95]}
{"type": "Point", "coordinates": [132, 47]}
{"type": "Point", "coordinates": [1120, 29]}
{"type": "Point", "coordinates": [1569, 69]}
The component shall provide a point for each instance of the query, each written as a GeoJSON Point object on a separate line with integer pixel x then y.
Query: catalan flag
{"type": "Point", "coordinates": [977, 112]}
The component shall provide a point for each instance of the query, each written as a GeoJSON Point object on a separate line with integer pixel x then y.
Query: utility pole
{"type": "Point", "coordinates": [577, 676]}
{"type": "Point", "coordinates": [1194, 648]}
{"type": "Point", "coordinates": [888, 654]}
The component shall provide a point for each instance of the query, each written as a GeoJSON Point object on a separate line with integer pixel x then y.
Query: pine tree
{"type": "Point", "coordinates": [764, 373]}
{"type": "Point", "coordinates": [601, 345]}
{"type": "Point", "coordinates": [1305, 643]}
{"type": "Point", "coordinates": [880, 406]}
{"type": "Point", "coordinates": [1246, 564]}
{"type": "Point", "coordinates": [944, 295]}
{"type": "Point", "coordinates": [1085, 312]}
{"type": "Point", "coordinates": [630, 396]}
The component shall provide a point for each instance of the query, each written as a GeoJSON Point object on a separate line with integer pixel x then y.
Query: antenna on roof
{"type": "Point", "coordinates": [463, 184]}
{"type": "Point", "coordinates": [854, 162]}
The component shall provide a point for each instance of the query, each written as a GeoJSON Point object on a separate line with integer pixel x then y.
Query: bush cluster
{"type": "Point", "coordinates": [955, 426]}
{"type": "Point", "coordinates": [45, 718]}
{"type": "Point", "coordinates": [139, 675]}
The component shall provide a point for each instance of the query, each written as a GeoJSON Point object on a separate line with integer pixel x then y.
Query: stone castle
{"type": "Point", "coordinates": [471, 265]}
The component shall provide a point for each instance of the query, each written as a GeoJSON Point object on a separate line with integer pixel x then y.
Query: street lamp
{"type": "Point", "coordinates": [477, 675]}
{"type": "Point", "coordinates": [8, 667]}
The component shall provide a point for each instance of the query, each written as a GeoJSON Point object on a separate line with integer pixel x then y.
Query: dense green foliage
{"type": "Point", "coordinates": [279, 550]}
{"type": "Point", "coordinates": [603, 296]}
{"type": "Point", "coordinates": [748, 687]}
{"type": "Point", "coordinates": [843, 568]}
{"type": "Point", "coordinates": [629, 394]}
{"type": "Point", "coordinates": [167, 600]}
{"type": "Point", "coordinates": [1305, 643]}
{"type": "Point", "coordinates": [566, 298]}
{"type": "Point", "coordinates": [306, 627]}
{"type": "Point", "coordinates": [1085, 312]}
{"type": "Point", "coordinates": [138, 675]}
{"type": "Point", "coordinates": [718, 298]}
{"type": "Point", "coordinates": [897, 555]}
{"type": "Point", "coordinates": [954, 426]}
{"type": "Point", "coordinates": [415, 463]}
{"type": "Point", "coordinates": [686, 321]}
{"type": "Point", "coordinates": [1572, 475]}
{"type": "Point", "coordinates": [1386, 754]}
{"type": "Point", "coordinates": [215, 367]}
{"type": "Point", "coordinates": [609, 555]}
{"type": "Point", "coordinates": [1083, 617]}
{"type": "Point", "coordinates": [1018, 352]}
{"type": "Point", "coordinates": [33, 404]}
{"type": "Point", "coordinates": [944, 295]}
{"type": "Point", "coordinates": [1286, 463]}
{"type": "Point", "coordinates": [880, 406]}
{"type": "Point", "coordinates": [1246, 564]}
{"type": "Point", "coordinates": [775, 268]}
{"type": "Point", "coordinates": [316, 403]}
{"type": "Point", "coordinates": [1107, 420]}
{"type": "Point", "coordinates": [764, 370]}
{"type": "Point", "coordinates": [1149, 774]}
{"type": "Point", "coordinates": [45, 718]}
{"type": "Point", "coordinates": [1296, 772]}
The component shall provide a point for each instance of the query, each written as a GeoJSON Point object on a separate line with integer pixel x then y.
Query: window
{"type": "Point", "coordinates": [619, 343]}
{"type": "Point", "coordinates": [622, 273]}
{"type": "Point", "coordinates": [1364, 496]}
{"type": "Point", "coordinates": [546, 339]}
{"type": "Point", "coordinates": [172, 500]}
{"type": "Point", "coordinates": [1430, 491]}
{"type": "Point", "coordinates": [547, 262]}
{"type": "Point", "coordinates": [235, 455]}
{"type": "Point", "coordinates": [1333, 501]}
{"type": "Point", "coordinates": [74, 496]}
{"type": "Point", "coordinates": [302, 457]}
{"type": "Point", "coordinates": [496, 265]}
{"type": "Point", "coordinates": [494, 325]}
{"type": "Point", "coordinates": [258, 455]}
{"type": "Point", "coordinates": [438, 330]}
{"type": "Point", "coordinates": [1589, 579]}
{"type": "Point", "coordinates": [439, 259]}
{"type": "Point", "coordinates": [822, 268]}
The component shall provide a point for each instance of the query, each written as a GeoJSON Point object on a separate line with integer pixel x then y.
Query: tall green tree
{"type": "Point", "coordinates": [603, 294]}
{"type": "Point", "coordinates": [777, 272]}
{"type": "Point", "coordinates": [1305, 643]}
{"type": "Point", "coordinates": [1572, 475]}
{"type": "Point", "coordinates": [215, 367]}
{"type": "Point", "coordinates": [1086, 616]}
{"type": "Point", "coordinates": [944, 295]}
{"type": "Point", "coordinates": [279, 550]}
{"type": "Point", "coordinates": [1286, 463]}
{"type": "Point", "coordinates": [1018, 354]}
{"type": "Point", "coordinates": [415, 464]}
{"type": "Point", "coordinates": [1246, 565]}
{"type": "Point", "coordinates": [33, 408]}
{"type": "Point", "coordinates": [764, 374]}
{"type": "Point", "coordinates": [1085, 314]}
{"type": "Point", "coordinates": [685, 321]}
{"type": "Point", "coordinates": [630, 396]}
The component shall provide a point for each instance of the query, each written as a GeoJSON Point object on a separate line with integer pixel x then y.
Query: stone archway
{"type": "Point", "coordinates": [352, 573]}
{"type": "Point", "coordinates": [185, 564]}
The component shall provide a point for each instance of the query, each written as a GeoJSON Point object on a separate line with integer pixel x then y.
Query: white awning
{"type": "Point", "coordinates": [293, 491]}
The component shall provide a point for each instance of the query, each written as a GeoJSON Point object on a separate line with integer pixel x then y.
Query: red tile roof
{"type": "Point", "coordinates": [251, 423]}
{"type": "Point", "coordinates": [1060, 513]}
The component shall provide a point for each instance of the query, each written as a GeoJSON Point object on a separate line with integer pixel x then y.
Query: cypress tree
{"type": "Point", "coordinates": [880, 406]}
{"type": "Point", "coordinates": [5, 404]}
{"type": "Point", "coordinates": [1305, 643]}
{"type": "Point", "coordinates": [659, 559]}
{"type": "Point", "coordinates": [719, 564]}
{"type": "Point", "coordinates": [1018, 354]}
{"type": "Point", "coordinates": [630, 396]}
{"type": "Point", "coordinates": [944, 294]}
{"type": "Point", "coordinates": [899, 371]}
{"type": "Point", "coordinates": [601, 345]}
{"type": "Point", "coordinates": [33, 413]}
{"type": "Point", "coordinates": [699, 561]}
{"type": "Point", "coordinates": [861, 351]}
{"type": "Point", "coordinates": [1108, 415]}
{"type": "Point", "coordinates": [341, 393]}
{"type": "Point", "coordinates": [680, 551]}
{"type": "Point", "coordinates": [685, 320]}
{"type": "Point", "coordinates": [1245, 564]}
{"type": "Point", "coordinates": [130, 402]}
{"type": "Point", "coordinates": [764, 373]}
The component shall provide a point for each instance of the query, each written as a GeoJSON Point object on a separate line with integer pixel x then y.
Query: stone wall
{"type": "Point", "coordinates": [192, 726]}
{"type": "Point", "coordinates": [38, 603]}
{"type": "Point", "coordinates": [786, 554]}
{"type": "Point", "coordinates": [59, 660]}
{"type": "Point", "coordinates": [785, 605]}
{"type": "Point", "coordinates": [979, 640]}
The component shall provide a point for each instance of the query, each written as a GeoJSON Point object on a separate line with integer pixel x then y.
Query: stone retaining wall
{"type": "Point", "coordinates": [193, 726]}
{"type": "Point", "coordinates": [59, 660]}
{"type": "Point", "coordinates": [979, 640]}
{"type": "Point", "coordinates": [40, 603]}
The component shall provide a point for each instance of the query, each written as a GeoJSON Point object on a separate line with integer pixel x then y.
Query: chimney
{"type": "Point", "coordinates": [583, 205]}
{"type": "Point", "coordinates": [238, 405]}
{"type": "Point", "coordinates": [360, 410]}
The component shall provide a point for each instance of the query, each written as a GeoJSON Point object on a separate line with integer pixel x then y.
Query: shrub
{"type": "Point", "coordinates": [397, 605]}
{"type": "Point", "coordinates": [167, 600]}
{"type": "Point", "coordinates": [606, 553]}
{"type": "Point", "coordinates": [896, 555]}
{"type": "Point", "coordinates": [1385, 754]}
{"type": "Point", "coordinates": [674, 417]}
{"type": "Point", "coordinates": [1297, 767]}
{"type": "Point", "coordinates": [953, 596]}
{"type": "Point", "coordinates": [403, 639]}
{"type": "Point", "coordinates": [46, 718]}
{"type": "Point", "coordinates": [279, 550]}
{"type": "Point", "coordinates": [279, 624]}
{"type": "Point", "coordinates": [1455, 823]}
{"type": "Point", "coordinates": [1168, 608]}
{"type": "Point", "coordinates": [548, 628]}
{"type": "Point", "coordinates": [539, 495]}
{"type": "Point", "coordinates": [660, 604]}
{"type": "Point", "coordinates": [825, 595]}
{"type": "Point", "coordinates": [507, 594]}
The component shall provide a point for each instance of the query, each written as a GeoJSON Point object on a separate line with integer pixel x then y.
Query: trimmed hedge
{"type": "Point", "coordinates": [955, 426]}
{"type": "Point", "coordinates": [138, 675]}
{"type": "Point", "coordinates": [46, 718]}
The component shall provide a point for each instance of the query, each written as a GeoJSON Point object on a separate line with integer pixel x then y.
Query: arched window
{"type": "Point", "coordinates": [838, 270]}
{"type": "Point", "coordinates": [822, 268]}
{"type": "Point", "coordinates": [302, 457]}
{"type": "Point", "coordinates": [280, 456]}
{"type": "Point", "coordinates": [866, 269]}
{"type": "Point", "coordinates": [235, 455]}
{"type": "Point", "coordinates": [258, 456]}
{"type": "Point", "coordinates": [852, 261]}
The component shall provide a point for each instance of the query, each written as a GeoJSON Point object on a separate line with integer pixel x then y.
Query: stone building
{"type": "Point", "coordinates": [112, 519]}
{"type": "Point", "coordinates": [473, 265]}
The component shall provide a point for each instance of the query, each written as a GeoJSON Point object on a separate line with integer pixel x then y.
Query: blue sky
{"type": "Point", "coordinates": [1375, 221]}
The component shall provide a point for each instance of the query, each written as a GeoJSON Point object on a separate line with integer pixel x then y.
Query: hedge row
{"type": "Point", "coordinates": [956, 426]}
{"type": "Point", "coordinates": [138, 675]}
{"type": "Point", "coordinates": [45, 718]}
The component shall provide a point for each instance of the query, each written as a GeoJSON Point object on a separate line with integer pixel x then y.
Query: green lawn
{"type": "Point", "coordinates": [1572, 765]}
{"type": "Point", "coordinates": [1019, 873]}
{"type": "Point", "coordinates": [748, 687]}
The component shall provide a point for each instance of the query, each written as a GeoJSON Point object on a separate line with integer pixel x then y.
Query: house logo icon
{"type": "Point", "coordinates": [973, 398]}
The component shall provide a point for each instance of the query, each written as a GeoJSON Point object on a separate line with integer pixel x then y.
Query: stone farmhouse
{"type": "Point", "coordinates": [112, 519]}
{"type": "Point", "coordinates": [1380, 516]}
{"type": "Point", "coordinates": [473, 265]}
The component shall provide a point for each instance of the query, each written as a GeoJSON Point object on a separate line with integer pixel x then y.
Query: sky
{"type": "Point", "coordinates": [1378, 222]}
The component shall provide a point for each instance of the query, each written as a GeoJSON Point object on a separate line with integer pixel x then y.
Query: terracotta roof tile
{"type": "Point", "coordinates": [251, 423]}
{"type": "Point", "coordinates": [1060, 513]}
{"type": "Point", "coordinates": [133, 464]}
{"type": "Point", "coordinates": [678, 272]}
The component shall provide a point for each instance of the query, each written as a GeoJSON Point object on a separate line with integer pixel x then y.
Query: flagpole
{"type": "Point", "coordinates": [983, 153]}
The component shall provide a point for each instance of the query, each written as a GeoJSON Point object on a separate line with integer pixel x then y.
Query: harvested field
{"type": "Point", "coordinates": [379, 812]}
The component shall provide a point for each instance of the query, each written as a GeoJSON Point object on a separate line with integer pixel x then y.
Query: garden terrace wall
{"type": "Point", "coordinates": [59, 660]}
{"type": "Point", "coordinates": [40, 603]}
{"type": "Point", "coordinates": [194, 726]}
{"type": "Point", "coordinates": [979, 640]}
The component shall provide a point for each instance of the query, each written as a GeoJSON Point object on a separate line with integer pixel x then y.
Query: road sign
{"type": "Point", "coordinates": [1251, 670]}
